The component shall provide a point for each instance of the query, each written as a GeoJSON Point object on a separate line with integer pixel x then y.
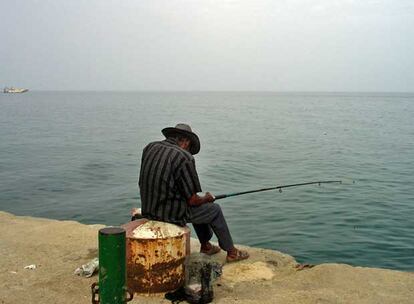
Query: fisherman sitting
{"type": "Point", "coordinates": [169, 184]}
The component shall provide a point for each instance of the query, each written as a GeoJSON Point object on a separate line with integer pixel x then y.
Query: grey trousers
{"type": "Point", "coordinates": [207, 218]}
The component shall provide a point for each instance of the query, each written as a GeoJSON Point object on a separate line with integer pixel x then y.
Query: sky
{"type": "Point", "coordinates": [208, 45]}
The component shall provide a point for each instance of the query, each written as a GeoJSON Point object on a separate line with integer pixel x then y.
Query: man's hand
{"type": "Point", "coordinates": [197, 200]}
{"type": "Point", "coordinates": [210, 198]}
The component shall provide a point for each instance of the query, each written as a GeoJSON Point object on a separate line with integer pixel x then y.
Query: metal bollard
{"type": "Point", "coordinates": [112, 268]}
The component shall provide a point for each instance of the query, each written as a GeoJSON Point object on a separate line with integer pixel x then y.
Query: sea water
{"type": "Point", "coordinates": [76, 155]}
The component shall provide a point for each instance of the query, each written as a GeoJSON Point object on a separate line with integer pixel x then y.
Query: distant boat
{"type": "Point", "coordinates": [14, 90]}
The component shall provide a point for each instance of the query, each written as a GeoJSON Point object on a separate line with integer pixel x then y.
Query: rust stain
{"type": "Point", "coordinates": [156, 265]}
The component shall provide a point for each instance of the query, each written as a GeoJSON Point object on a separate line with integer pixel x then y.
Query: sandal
{"type": "Point", "coordinates": [211, 249]}
{"type": "Point", "coordinates": [303, 266]}
{"type": "Point", "coordinates": [239, 256]}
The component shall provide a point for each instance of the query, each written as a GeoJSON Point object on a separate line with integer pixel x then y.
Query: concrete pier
{"type": "Point", "coordinates": [57, 248]}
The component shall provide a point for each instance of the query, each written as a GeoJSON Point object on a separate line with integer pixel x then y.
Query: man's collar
{"type": "Point", "coordinates": [175, 142]}
{"type": "Point", "coordinates": [172, 141]}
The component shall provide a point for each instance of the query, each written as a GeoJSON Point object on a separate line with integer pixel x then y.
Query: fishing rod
{"type": "Point", "coordinates": [221, 196]}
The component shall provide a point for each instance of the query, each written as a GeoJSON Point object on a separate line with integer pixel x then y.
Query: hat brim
{"type": "Point", "coordinates": [195, 141]}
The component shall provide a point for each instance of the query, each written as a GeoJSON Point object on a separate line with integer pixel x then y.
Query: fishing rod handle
{"type": "Point", "coordinates": [220, 196]}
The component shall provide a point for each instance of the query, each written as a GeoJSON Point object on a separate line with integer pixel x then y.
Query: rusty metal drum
{"type": "Point", "coordinates": [155, 256]}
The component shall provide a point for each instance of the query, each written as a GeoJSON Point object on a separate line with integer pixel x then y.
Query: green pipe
{"type": "Point", "coordinates": [112, 266]}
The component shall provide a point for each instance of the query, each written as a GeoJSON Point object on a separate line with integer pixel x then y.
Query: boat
{"type": "Point", "coordinates": [14, 90]}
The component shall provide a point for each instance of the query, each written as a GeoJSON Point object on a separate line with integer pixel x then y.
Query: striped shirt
{"type": "Point", "coordinates": [167, 179]}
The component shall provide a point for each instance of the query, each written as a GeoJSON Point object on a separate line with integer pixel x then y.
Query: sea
{"type": "Point", "coordinates": [76, 156]}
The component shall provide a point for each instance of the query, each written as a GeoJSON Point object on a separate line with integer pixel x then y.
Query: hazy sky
{"type": "Point", "coordinates": [277, 45]}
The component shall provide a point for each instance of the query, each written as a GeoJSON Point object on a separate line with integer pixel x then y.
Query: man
{"type": "Point", "coordinates": [169, 184]}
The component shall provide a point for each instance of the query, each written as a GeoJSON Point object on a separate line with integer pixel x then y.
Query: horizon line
{"type": "Point", "coordinates": [224, 91]}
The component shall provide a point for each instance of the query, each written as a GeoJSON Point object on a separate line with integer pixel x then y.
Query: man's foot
{"type": "Point", "coordinates": [209, 249]}
{"type": "Point", "coordinates": [234, 255]}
